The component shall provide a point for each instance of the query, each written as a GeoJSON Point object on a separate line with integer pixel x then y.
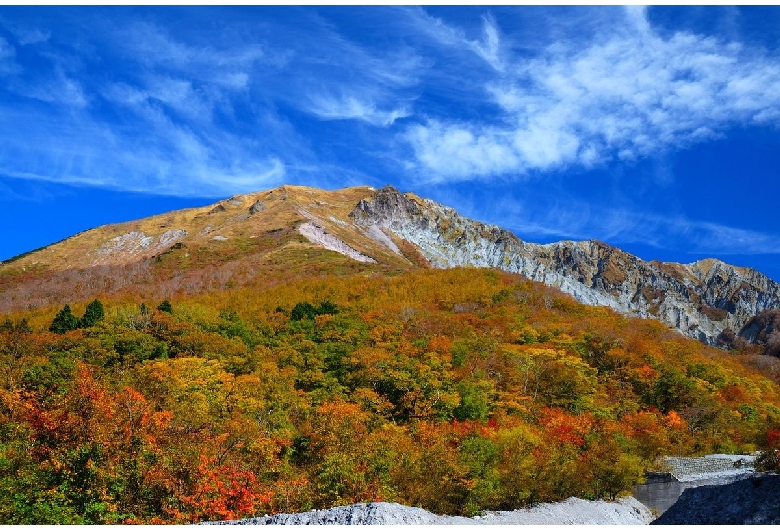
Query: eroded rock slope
{"type": "Point", "coordinates": [701, 299]}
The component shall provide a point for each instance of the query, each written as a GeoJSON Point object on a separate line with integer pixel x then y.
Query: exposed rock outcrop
{"type": "Point", "coordinates": [137, 244]}
{"type": "Point", "coordinates": [701, 299]}
{"type": "Point", "coordinates": [762, 330]}
{"type": "Point", "coordinates": [257, 207]}
{"type": "Point", "coordinates": [318, 236]}
{"type": "Point", "coordinates": [753, 500]}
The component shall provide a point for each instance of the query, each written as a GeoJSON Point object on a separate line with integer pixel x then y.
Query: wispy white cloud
{"type": "Point", "coordinates": [154, 46]}
{"type": "Point", "coordinates": [25, 35]}
{"type": "Point", "coordinates": [548, 217]}
{"type": "Point", "coordinates": [56, 86]}
{"type": "Point", "coordinates": [159, 134]}
{"type": "Point", "coordinates": [6, 50]}
{"type": "Point", "coordinates": [488, 47]}
{"type": "Point", "coordinates": [142, 104]}
{"type": "Point", "coordinates": [8, 63]}
{"type": "Point", "coordinates": [353, 82]}
{"type": "Point", "coordinates": [458, 152]}
{"type": "Point", "coordinates": [328, 107]}
{"type": "Point", "coordinates": [83, 152]}
{"type": "Point", "coordinates": [629, 95]}
{"type": "Point", "coordinates": [57, 89]}
{"type": "Point", "coordinates": [28, 36]}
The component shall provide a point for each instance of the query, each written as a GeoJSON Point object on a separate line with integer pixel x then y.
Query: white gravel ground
{"type": "Point", "coordinates": [573, 511]}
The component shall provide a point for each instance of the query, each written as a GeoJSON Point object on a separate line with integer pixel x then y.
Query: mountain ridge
{"type": "Point", "coordinates": [236, 238]}
{"type": "Point", "coordinates": [701, 299]}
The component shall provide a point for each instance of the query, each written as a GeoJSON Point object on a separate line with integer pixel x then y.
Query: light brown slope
{"type": "Point", "coordinates": [245, 239]}
{"type": "Point", "coordinates": [227, 220]}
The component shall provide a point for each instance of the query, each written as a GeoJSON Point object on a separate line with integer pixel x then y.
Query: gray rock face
{"type": "Point", "coordinates": [763, 329]}
{"type": "Point", "coordinates": [700, 299]}
{"type": "Point", "coordinates": [753, 500]}
{"type": "Point", "coordinates": [687, 469]}
{"type": "Point", "coordinates": [257, 207]}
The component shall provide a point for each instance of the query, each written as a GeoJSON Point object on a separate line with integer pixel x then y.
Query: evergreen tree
{"type": "Point", "coordinates": [303, 310]}
{"type": "Point", "coordinates": [92, 315]}
{"type": "Point", "coordinates": [64, 321]}
{"type": "Point", "coordinates": [165, 306]}
{"type": "Point", "coordinates": [23, 326]}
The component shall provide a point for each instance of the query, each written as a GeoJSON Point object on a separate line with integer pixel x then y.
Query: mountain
{"type": "Point", "coordinates": [701, 299]}
{"type": "Point", "coordinates": [314, 353]}
{"type": "Point", "coordinates": [292, 231]}
{"type": "Point", "coordinates": [253, 239]}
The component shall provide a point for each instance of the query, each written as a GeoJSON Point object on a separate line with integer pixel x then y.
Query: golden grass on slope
{"type": "Point", "coordinates": [230, 218]}
{"type": "Point", "coordinates": [226, 244]}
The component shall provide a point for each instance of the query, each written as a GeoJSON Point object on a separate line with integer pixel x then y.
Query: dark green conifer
{"type": "Point", "coordinates": [165, 306]}
{"type": "Point", "coordinates": [303, 310]}
{"type": "Point", "coordinates": [93, 314]}
{"type": "Point", "coordinates": [64, 321]}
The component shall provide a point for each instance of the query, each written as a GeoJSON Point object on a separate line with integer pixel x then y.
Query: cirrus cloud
{"type": "Point", "coordinates": [629, 95]}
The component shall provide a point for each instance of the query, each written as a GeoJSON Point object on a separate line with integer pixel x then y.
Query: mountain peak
{"type": "Point", "coordinates": [297, 228]}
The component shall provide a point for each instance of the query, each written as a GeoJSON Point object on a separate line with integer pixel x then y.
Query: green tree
{"type": "Point", "coordinates": [474, 400]}
{"type": "Point", "coordinates": [64, 321]}
{"type": "Point", "coordinates": [672, 390]}
{"type": "Point", "coordinates": [303, 310]}
{"type": "Point", "coordinates": [166, 306]}
{"type": "Point", "coordinates": [93, 314]}
{"type": "Point", "coordinates": [20, 327]}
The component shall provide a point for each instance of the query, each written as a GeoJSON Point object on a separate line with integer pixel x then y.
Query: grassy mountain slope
{"type": "Point", "coordinates": [290, 232]}
{"type": "Point", "coordinates": [244, 240]}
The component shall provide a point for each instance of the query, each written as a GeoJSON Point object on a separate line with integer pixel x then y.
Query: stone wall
{"type": "Point", "coordinates": [682, 467]}
{"type": "Point", "coordinates": [661, 490]}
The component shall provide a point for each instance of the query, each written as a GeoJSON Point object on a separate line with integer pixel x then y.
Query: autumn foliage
{"type": "Point", "coordinates": [457, 391]}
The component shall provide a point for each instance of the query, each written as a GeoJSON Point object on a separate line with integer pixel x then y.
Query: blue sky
{"type": "Point", "coordinates": [654, 130]}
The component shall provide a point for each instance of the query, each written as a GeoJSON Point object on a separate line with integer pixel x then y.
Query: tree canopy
{"type": "Point", "coordinates": [454, 390]}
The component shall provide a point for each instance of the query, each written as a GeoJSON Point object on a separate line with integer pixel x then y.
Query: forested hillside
{"type": "Point", "coordinates": [454, 390]}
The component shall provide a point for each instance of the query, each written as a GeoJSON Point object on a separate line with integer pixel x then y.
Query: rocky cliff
{"type": "Point", "coordinates": [294, 230]}
{"type": "Point", "coordinates": [700, 299]}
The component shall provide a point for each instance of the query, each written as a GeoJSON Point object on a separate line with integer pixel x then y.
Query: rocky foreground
{"type": "Point", "coordinates": [753, 500]}
{"type": "Point", "coordinates": [626, 511]}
